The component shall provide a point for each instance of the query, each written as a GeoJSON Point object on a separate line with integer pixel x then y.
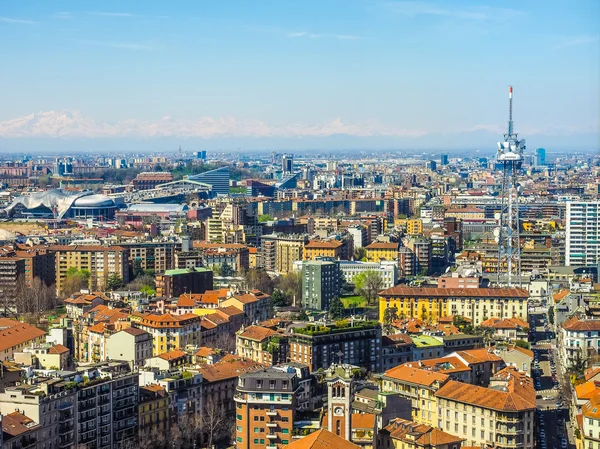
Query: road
{"type": "Point", "coordinates": [553, 416]}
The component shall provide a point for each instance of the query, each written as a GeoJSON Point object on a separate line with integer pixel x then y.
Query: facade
{"type": "Point", "coordinates": [502, 416]}
{"type": "Point", "coordinates": [171, 332]}
{"type": "Point", "coordinates": [476, 304]}
{"type": "Point", "coordinates": [320, 283]}
{"type": "Point", "coordinates": [320, 346]}
{"type": "Point", "coordinates": [16, 336]}
{"type": "Point", "coordinates": [174, 283]}
{"type": "Point", "coordinates": [589, 422]}
{"type": "Point", "coordinates": [218, 179]}
{"type": "Point", "coordinates": [131, 345]}
{"type": "Point", "coordinates": [265, 408]}
{"type": "Point", "coordinates": [251, 343]}
{"type": "Point", "coordinates": [150, 180]}
{"type": "Point", "coordinates": [153, 411]}
{"type": "Point", "coordinates": [101, 261]}
{"type": "Point", "coordinates": [323, 248]}
{"type": "Point", "coordinates": [157, 256]}
{"type": "Point", "coordinates": [404, 434]}
{"type": "Point", "coordinates": [388, 270]}
{"type": "Point", "coordinates": [580, 339]}
{"type": "Point", "coordinates": [582, 242]}
{"type": "Point", "coordinates": [255, 305]}
{"type": "Point", "coordinates": [280, 251]}
{"type": "Point", "coordinates": [378, 251]}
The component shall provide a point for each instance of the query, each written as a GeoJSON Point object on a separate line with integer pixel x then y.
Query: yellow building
{"type": "Point", "coordinates": [171, 332]}
{"type": "Point", "coordinates": [419, 386]}
{"type": "Point", "coordinates": [322, 248]}
{"type": "Point", "coordinates": [477, 304]}
{"type": "Point", "coordinates": [153, 411]}
{"type": "Point", "coordinates": [101, 261]}
{"type": "Point", "coordinates": [414, 227]}
{"type": "Point", "coordinates": [378, 251]}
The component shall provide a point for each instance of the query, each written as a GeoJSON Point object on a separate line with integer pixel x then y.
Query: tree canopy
{"type": "Point", "coordinates": [368, 284]}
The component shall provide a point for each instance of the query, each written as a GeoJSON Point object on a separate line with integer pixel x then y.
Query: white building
{"type": "Point", "coordinates": [582, 244]}
{"type": "Point", "coordinates": [388, 270]}
{"type": "Point", "coordinates": [580, 339]}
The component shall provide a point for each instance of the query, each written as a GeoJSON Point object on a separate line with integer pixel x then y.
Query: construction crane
{"type": "Point", "coordinates": [510, 154]}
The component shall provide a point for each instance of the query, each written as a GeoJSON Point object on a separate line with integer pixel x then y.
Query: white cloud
{"type": "Point", "coordinates": [17, 21]}
{"type": "Point", "coordinates": [575, 41]}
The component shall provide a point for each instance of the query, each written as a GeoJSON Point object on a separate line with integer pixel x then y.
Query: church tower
{"type": "Point", "coordinates": [340, 389]}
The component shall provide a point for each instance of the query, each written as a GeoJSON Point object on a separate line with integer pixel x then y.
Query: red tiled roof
{"type": "Point", "coordinates": [257, 333]}
{"type": "Point", "coordinates": [415, 375]}
{"type": "Point", "coordinates": [455, 292]}
{"type": "Point", "coordinates": [575, 324]}
{"type": "Point", "coordinates": [58, 349]}
{"type": "Point", "coordinates": [321, 439]}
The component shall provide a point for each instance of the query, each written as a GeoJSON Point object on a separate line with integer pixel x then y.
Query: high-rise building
{"type": "Point", "coordinates": [287, 162]}
{"type": "Point", "coordinates": [540, 157]}
{"type": "Point", "coordinates": [444, 159]}
{"type": "Point", "coordinates": [265, 408]}
{"type": "Point", "coordinates": [582, 242]}
{"type": "Point", "coordinates": [431, 165]}
{"type": "Point", "coordinates": [320, 283]}
{"type": "Point", "coordinates": [218, 179]}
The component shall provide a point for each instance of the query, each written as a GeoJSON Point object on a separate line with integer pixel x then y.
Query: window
{"type": "Point", "coordinates": [284, 441]}
{"type": "Point", "coordinates": [239, 417]}
{"type": "Point", "coordinates": [239, 439]}
{"type": "Point", "coordinates": [285, 430]}
{"type": "Point", "coordinates": [256, 430]}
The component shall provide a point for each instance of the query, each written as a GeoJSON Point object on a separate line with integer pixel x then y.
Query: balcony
{"type": "Point", "coordinates": [271, 446]}
{"type": "Point", "coordinates": [271, 413]}
{"type": "Point", "coordinates": [271, 424]}
{"type": "Point", "coordinates": [272, 436]}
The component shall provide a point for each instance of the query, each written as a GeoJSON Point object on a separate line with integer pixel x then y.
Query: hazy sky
{"type": "Point", "coordinates": [415, 67]}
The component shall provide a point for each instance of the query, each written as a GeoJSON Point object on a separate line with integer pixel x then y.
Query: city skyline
{"type": "Point", "coordinates": [358, 74]}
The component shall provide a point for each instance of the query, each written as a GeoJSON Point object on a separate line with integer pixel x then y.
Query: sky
{"type": "Point", "coordinates": [290, 70]}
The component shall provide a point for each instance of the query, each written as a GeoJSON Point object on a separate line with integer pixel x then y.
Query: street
{"type": "Point", "coordinates": [553, 414]}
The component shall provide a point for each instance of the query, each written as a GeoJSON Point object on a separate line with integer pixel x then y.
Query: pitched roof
{"type": "Point", "coordinates": [591, 372]}
{"type": "Point", "coordinates": [456, 292]}
{"type": "Point", "coordinates": [527, 352]}
{"type": "Point", "coordinates": [135, 331]}
{"type": "Point", "coordinates": [18, 334]}
{"type": "Point", "coordinates": [228, 368]}
{"type": "Point", "coordinates": [172, 355]}
{"type": "Point", "coordinates": [415, 375]}
{"type": "Point", "coordinates": [16, 423]}
{"type": "Point", "coordinates": [519, 394]}
{"type": "Point", "coordinates": [327, 244]}
{"type": "Point", "coordinates": [445, 365]}
{"type": "Point", "coordinates": [257, 333]}
{"type": "Point", "coordinates": [383, 245]}
{"type": "Point", "coordinates": [591, 408]}
{"type": "Point", "coordinates": [58, 349]}
{"type": "Point", "coordinates": [421, 434]}
{"type": "Point", "coordinates": [474, 356]}
{"type": "Point", "coordinates": [322, 439]}
{"type": "Point", "coordinates": [575, 324]}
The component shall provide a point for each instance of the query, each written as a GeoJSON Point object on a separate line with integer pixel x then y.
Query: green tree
{"type": "Point", "coordinates": [360, 253]}
{"type": "Point", "coordinates": [345, 287]}
{"type": "Point", "coordinates": [337, 310]}
{"type": "Point", "coordinates": [148, 290]}
{"type": "Point", "coordinates": [302, 315]}
{"type": "Point", "coordinates": [258, 279]}
{"type": "Point", "coordinates": [114, 282]}
{"type": "Point", "coordinates": [522, 344]}
{"type": "Point", "coordinates": [75, 280]}
{"type": "Point", "coordinates": [278, 298]}
{"type": "Point", "coordinates": [368, 284]}
{"type": "Point", "coordinates": [291, 286]}
{"type": "Point", "coordinates": [264, 218]}
{"type": "Point", "coordinates": [227, 270]}
{"type": "Point", "coordinates": [137, 268]}
{"type": "Point", "coordinates": [551, 315]}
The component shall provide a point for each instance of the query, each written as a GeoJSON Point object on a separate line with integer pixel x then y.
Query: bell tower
{"type": "Point", "coordinates": [340, 389]}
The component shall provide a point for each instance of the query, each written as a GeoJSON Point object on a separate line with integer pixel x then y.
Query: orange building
{"type": "Point", "coordinates": [323, 248]}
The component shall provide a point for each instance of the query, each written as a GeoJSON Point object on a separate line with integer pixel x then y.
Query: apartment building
{"type": "Point", "coordinates": [101, 261]}
{"type": "Point", "coordinates": [174, 283]}
{"type": "Point", "coordinates": [252, 342]}
{"type": "Point", "coordinates": [171, 332]}
{"type": "Point", "coordinates": [319, 345]}
{"type": "Point", "coordinates": [157, 256]}
{"type": "Point", "coordinates": [265, 408]}
{"type": "Point", "coordinates": [419, 386]}
{"type": "Point", "coordinates": [16, 336]}
{"type": "Point", "coordinates": [388, 270]}
{"type": "Point", "coordinates": [582, 239]}
{"type": "Point", "coordinates": [580, 338]}
{"type": "Point", "coordinates": [320, 283]}
{"type": "Point", "coordinates": [501, 416]}
{"type": "Point", "coordinates": [477, 304]}
{"type": "Point", "coordinates": [404, 434]}
{"type": "Point", "coordinates": [131, 345]}
{"type": "Point", "coordinates": [378, 251]}
{"type": "Point", "coordinates": [323, 248]}
{"type": "Point", "coordinates": [280, 251]}
{"type": "Point", "coordinates": [153, 411]}
{"type": "Point", "coordinates": [589, 422]}
{"type": "Point", "coordinates": [255, 305]}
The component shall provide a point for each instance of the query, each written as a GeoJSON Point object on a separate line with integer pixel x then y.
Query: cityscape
{"type": "Point", "coordinates": [421, 272]}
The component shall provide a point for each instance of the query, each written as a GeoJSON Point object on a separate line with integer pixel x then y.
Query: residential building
{"type": "Point", "coordinates": [170, 332]}
{"type": "Point", "coordinates": [44, 356]}
{"type": "Point", "coordinates": [520, 358]}
{"type": "Point", "coordinates": [476, 304]}
{"type": "Point", "coordinates": [320, 283]}
{"type": "Point", "coordinates": [319, 346]}
{"type": "Point", "coordinates": [131, 345]}
{"type": "Point", "coordinates": [414, 227]}
{"type": "Point", "coordinates": [174, 283]}
{"type": "Point", "coordinates": [378, 251]}
{"type": "Point", "coordinates": [407, 263]}
{"type": "Point", "coordinates": [265, 408]}
{"type": "Point", "coordinates": [12, 273]}
{"type": "Point", "coordinates": [396, 350]}
{"type": "Point", "coordinates": [153, 411]}
{"type": "Point", "coordinates": [19, 432]}
{"type": "Point", "coordinates": [582, 239]}
{"type": "Point", "coordinates": [457, 280]}
{"type": "Point", "coordinates": [427, 347]}
{"type": "Point", "coordinates": [101, 261]}
{"type": "Point", "coordinates": [589, 422]}
{"type": "Point", "coordinates": [579, 339]}
{"type": "Point", "coordinates": [423, 251]}
{"type": "Point", "coordinates": [157, 256]}
{"type": "Point", "coordinates": [255, 304]}
{"type": "Point", "coordinates": [419, 386]}
{"type": "Point", "coordinates": [16, 336]}
{"type": "Point", "coordinates": [280, 251]}
{"type": "Point", "coordinates": [404, 434]}
{"type": "Point", "coordinates": [388, 270]}
{"type": "Point", "coordinates": [322, 439]}
{"type": "Point", "coordinates": [251, 343]}
{"type": "Point", "coordinates": [502, 416]}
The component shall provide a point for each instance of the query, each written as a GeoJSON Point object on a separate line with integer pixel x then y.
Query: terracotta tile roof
{"type": "Point", "coordinates": [455, 292]}
{"type": "Point", "coordinates": [322, 439]}
{"type": "Point", "coordinates": [172, 355]}
{"type": "Point", "coordinates": [527, 352]}
{"type": "Point", "coordinates": [229, 311]}
{"type": "Point", "coordinates": [424, 436]}
{"type": "Point", "coordinates": [228, 368]}
{"type": "Point", "coordinates": [363, 421]}
{"type": "Point", "coordinates": [16, 423]}
{"type": "Point", "coordinates": [396, 339]}
{"type": "Point", "coordinates": [257, 333]}
{"type": "Point", "coordinates": [591, 408]}
{"type": "Point", "coordinates": [205, 351]}
{"type": "Point", "coordinates": [558, 297]}
{"type": "Point", "coordinates": [98, 328]}
{"type": "Point", "coordinates": [520, 394]}
{"type": "Point", "coordinates": [474, 356]}
{"type": "Point", "coordinates": [167, 320]}
{"type": "Point", "coordinates": [58, 349]}
{"type": "Point", "coordinates": [591, 372]}
{"type": "Point", "coordinates": [586, 390]}
{"type": "Point", "coordinates": [507, 323]}
{"type": "Point", "coordinates": [575, 324]}
{"type": "Point", "coordinates": [383, 245]}
{"type": "Point", "coordinates": [18, 334]}
{"type": "Point", "coordinates": [323, 244]}
{"type": "Point", "coordinates": [445, 365]}
{"type": "Point", "coordinates": [135, 331]}
{"type": "Point", "coordinates": [214, 318]}
{"type": "Point", "coordinates": [415, 375]}
{"type": "Point", "coordinates": [7, 322]}
{"type": "Point", "coordinates": [185, 301]}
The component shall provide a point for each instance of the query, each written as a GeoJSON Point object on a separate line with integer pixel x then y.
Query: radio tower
{"type": "Point", "coordinates": [510, 154]}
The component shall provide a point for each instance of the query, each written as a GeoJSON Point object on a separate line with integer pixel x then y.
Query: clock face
{"type": "Point", "coordinates": [338, 411]}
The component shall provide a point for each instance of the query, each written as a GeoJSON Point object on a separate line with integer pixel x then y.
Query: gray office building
{"type": "Point", "coordinates": [218, 179]}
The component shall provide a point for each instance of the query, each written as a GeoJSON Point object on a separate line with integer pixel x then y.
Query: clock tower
{"type": "Point", "coordinates": [340, 389]}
